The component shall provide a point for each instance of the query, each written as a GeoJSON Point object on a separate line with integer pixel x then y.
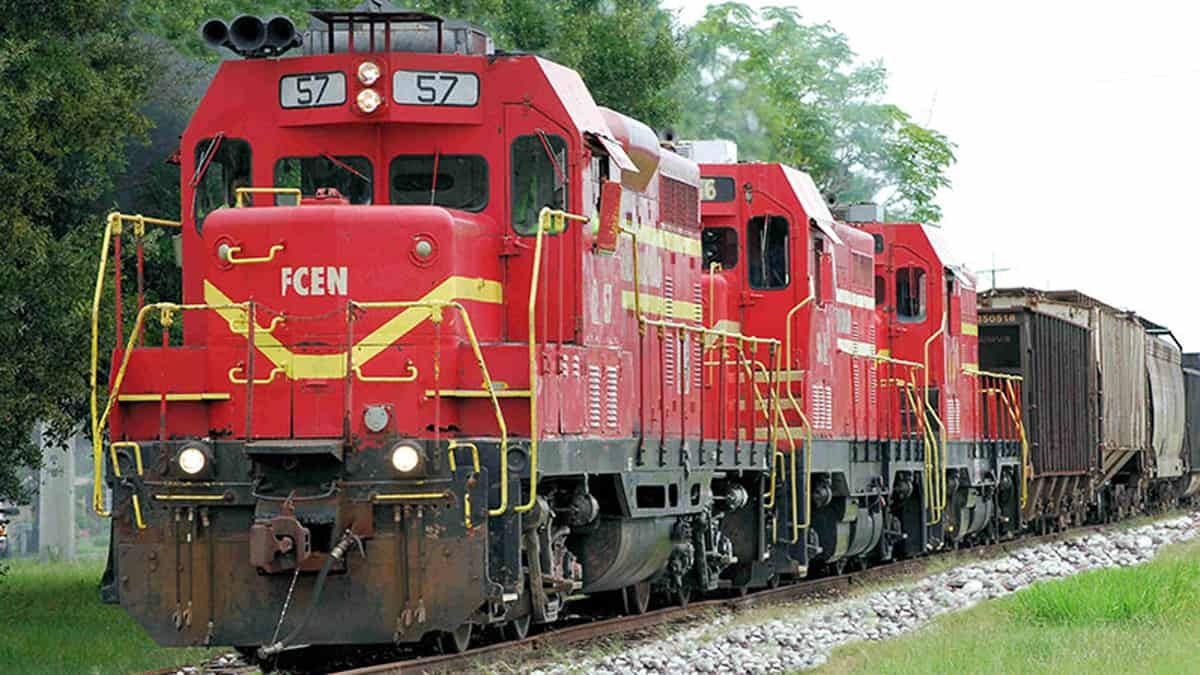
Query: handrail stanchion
{"type": "Point", "coordinates": [112, 227]}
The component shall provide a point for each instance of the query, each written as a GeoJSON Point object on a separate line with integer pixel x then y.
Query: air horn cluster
{"type": "Point", "coordinates": [251, 36]}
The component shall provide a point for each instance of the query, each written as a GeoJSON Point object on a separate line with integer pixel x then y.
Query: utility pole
{"type": "Point", "coordinates": [995, 270]}
{"type": "Point", "coordinates": [56, 502]}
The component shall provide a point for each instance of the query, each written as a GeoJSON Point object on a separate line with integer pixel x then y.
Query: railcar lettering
{"type": "Point", "coordinates": [312, 90]}
{"type": "Point", "coordinates": [313, 280]}
{"type": "Point", "coordinates": [419, 87]}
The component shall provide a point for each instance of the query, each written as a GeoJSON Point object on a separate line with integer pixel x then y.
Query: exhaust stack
{"type": "Point", "coordinates": [215, 34]}
{"type": "Point", "coordinates": [248, 34]}
{"type": "Point", "coordinates": [252, 37]}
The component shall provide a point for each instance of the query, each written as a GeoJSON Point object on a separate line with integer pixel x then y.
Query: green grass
{"type": "Point", "coordinates": [52, 621]}
{"type": "Point", "coordinates": [1143, 619]}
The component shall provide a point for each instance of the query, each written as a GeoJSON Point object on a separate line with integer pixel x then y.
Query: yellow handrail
{"type": "Point", "coordinates": [436, 307]}
{"type": "Point", "coordinates": [554, 222]}
{"type": "Point", "coordinates": [165, 309]}
{"type": "Point", "coordinates": [112, 227]}
{"type": "Point", "coordinates": [229, 251]}
{"type": "Point", "coordinates": [409, 376]}
{"type": "Point", "coordinates": [450, 448]}
{"type": "Point", "coordinates": [241, 379]}
{"type": "Point", "coordinates": [939, 446]}
{"type": "Point", "coordinates": [243, 191]}
{"type": "Point", "coordinates": [137, 456]}
{"type": "Point", "coordinates": [1012, 406]}
{"type": "Point", "coordinates": [454, 445]}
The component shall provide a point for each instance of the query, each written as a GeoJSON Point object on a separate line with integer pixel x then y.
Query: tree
{"type": "Point", "coordinates": [794, 93]}
{"type": "Point", "coordinates": [73, 78]}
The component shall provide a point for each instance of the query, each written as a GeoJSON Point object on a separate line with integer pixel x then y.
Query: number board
{"type": "Point", "coordinates": [312, 90]}
{"type": "Point", "coordinates": [422, 87]}
{"type": "Point", "coordinates": [717, 189]}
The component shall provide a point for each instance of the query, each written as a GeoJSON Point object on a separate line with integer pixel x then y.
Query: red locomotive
{"type": "Point", "coordinates": [458, 344]}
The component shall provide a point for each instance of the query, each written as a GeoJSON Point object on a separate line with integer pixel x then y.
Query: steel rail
{"type": "Point", "coordinates": [476, 659]}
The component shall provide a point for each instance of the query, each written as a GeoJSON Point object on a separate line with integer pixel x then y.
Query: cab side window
{"type": "Point", "coordinates": [222, 166]}
{"type": "Point", "coordinates": [767, 252]}
{"type": "Point", "coordinates": [349, 175]}
{"type": "Point", "coordinates": [910, 294]}
{"type": "Point", "coordinates": [539, 178]}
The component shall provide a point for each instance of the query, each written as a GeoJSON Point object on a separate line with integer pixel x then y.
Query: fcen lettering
{"type": "Point", "coordinates": [313, 280]}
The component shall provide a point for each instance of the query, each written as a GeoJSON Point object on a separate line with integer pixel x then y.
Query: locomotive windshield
{"type": "Point", "coordinates": [452, 181]}
{"type": "Point", "coordinates": [349, 175]}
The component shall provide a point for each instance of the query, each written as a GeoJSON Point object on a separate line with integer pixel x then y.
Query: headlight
{"type": "Point", "coordinates": [369, 100]}
{"type": "Point", "coordinates": [368, 73]}
{"type": "Point", "coordinates": [192, 461]}
{"type": "Point", "coordinates": [405, 458]}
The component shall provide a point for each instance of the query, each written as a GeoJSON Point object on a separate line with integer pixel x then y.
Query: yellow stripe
{"type": "Point", "coordinates": [669, 241]}
{"type": "Point", "coordinates": [172, 398]}
{"type": "Point", "coordinates": [856, 347]}
{"type": "Point", "coordinates": [680, 310]}
{"type": "Point", "coordinates": [970, 329]}
{"type": "Point", "coordinates": [333, 366]}
{"type": "Point", "coordinates": [784, 376]}
{"type": "Point", "coordinates": [847, 297]}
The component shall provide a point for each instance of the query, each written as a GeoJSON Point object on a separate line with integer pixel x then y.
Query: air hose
{"type": "Point", "coordinates": [338, 552]}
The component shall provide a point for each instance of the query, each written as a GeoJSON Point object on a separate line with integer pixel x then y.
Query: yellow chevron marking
{"type": "Point", "coordinates": [333, 366]}
{"type": "Point", "coordinates": [680, 310]}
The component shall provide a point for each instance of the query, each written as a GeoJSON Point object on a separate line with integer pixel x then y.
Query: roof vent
{"type": "Point", "coordinates": [378, 26]}
{"type": "Point", "coordinates": [708, 152]}
{"type": "Point", "coordinates": [865, 212]}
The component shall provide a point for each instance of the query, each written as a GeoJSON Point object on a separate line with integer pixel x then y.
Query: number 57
{"type": "Point", "coordinates": [429, 83]}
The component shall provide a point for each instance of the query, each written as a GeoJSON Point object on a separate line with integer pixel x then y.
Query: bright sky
{"type": "Point", "coordinates": [1076, 131]}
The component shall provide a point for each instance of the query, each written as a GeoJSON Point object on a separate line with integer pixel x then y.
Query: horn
{"type": "Point", "coordinates": [248, 34]}
{"type": "Point", "coordinates": [281, 34]}
{"type": "Point", "coordinates": [215, 33]}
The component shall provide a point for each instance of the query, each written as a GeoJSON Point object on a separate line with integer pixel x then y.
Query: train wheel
{"type": "Point", "coordinates": [637, 598]}
{"type": "Point", "coordinates": [517, 629]}
{"type": "Point", "coordinates": [683, 596]}
{"type": "Point", "coordinates": [457, 640]}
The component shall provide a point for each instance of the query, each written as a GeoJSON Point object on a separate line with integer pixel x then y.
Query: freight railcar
{"type": "Point", "coordinates": [1104, 402]}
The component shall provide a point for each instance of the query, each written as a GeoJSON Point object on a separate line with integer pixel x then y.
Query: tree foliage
{"type": "Point", "coordinates": [793, 92]}
{"type": "Point", "coordinates": [72, 79]}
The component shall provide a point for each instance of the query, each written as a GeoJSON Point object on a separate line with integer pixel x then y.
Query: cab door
{"type": "Point", "coordinates": [540, 173]}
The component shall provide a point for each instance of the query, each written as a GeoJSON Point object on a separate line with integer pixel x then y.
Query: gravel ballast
{"type": "Point", "coordinates": [806, 638]}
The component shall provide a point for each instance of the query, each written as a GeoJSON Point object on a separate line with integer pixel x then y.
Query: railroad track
{"type": "Point", "coordinates": [826, 587]}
